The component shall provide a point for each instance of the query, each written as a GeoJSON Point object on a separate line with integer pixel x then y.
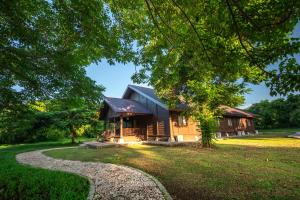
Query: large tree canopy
{"type": "Point", "coordinates": [200, 51]}
{"type": "Point", "coordinates": [206, 51]}
{"type": "Point", "coordinates": [45, 46]}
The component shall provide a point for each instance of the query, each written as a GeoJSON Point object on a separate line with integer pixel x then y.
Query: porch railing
{"type": "Point", "coordinates": [134, 131]}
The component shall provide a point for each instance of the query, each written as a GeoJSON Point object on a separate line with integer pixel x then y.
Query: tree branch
{"type": "Point", "coordinates": [155, 22]}
{"type": "Point", "coordinates": [194, 29]}
{"type": "Point", "coordinates": [256, 26]}
{"type": "Point", "coordinates": [241, 41]}
{"type": "Point", "coordinates": [163, 21]}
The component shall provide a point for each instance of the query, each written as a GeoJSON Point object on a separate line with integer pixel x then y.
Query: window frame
{"type": "Point", "coordinates": [182, 121]}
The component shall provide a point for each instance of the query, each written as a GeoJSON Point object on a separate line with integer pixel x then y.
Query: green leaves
{"type": "Point", "coordinates": [279, 113]}
{"type": "Point", "coordinates": [45, 46]}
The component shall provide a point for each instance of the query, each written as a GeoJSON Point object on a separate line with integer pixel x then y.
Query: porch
{"type": "Point", "coordinates": [122, 129]}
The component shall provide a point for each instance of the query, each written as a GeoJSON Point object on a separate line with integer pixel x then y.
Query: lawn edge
{"type": "Point", "coordinates": [160, 186]}
{"type": "Point", "coordinates": [92, 186]}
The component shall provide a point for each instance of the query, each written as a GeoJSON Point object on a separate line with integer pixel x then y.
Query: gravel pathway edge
{"type": "Point", "coordinates": [103, 177]}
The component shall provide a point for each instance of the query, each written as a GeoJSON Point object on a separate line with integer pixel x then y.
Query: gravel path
{"type": "Point", "coordinates": [108, 181]}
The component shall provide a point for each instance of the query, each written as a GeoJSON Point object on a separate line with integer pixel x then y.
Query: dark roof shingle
{"type": "Point", "coordinates": [126, 106]}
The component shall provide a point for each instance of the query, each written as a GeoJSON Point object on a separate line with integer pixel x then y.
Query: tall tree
{"type": "Point", "coordinates": [205, 52]}
{"type": "Point", "coordinates": [45, 46]}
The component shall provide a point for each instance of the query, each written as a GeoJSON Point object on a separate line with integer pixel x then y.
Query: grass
{"type": "Point", "coordinates": [266, 166]}
{"type": "Point", "coordinates": [24, 182]}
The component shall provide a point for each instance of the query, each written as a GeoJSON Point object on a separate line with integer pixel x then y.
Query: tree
{"type": "Point", "coordinates": [45, 46]}
{"type": "Point", "coordinates": [75, 114]}
{"type": "Point", "coordinates": [201, 52]}
{"type": "Point", "coordinates": [279, 113]}
{"type": "Point", "coordinates": [49, 120]}
{"type": "Point", "coordinates": [205, 52]}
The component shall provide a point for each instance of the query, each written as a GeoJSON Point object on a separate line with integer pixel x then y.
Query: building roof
{"type": "Point", "coordinates": [150, 94]}
{"type": "Point", "coordinates": [235, 112]}
{"type": "Point", "coordinates": [126, 106]}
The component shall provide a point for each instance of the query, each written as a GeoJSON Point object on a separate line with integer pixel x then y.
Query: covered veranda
{"type": "Point", "coordinates": [125, 120]}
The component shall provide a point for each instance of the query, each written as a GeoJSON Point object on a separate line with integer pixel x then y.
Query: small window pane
{"type": "Point", "coordinates": [229, 122]}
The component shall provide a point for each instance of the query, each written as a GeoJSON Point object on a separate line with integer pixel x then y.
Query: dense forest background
{"type": "Point", "coordinates": [279, 113]}
{"type": "Point", "coordinates": [49, 120]}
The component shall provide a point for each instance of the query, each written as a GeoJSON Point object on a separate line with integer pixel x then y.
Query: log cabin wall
{"type": "Point", "coordinates": [158, 127]}
{"type": "Point", "coordinates": [190, 132]}
{"type": "Point", "coordinates": [232, 125]}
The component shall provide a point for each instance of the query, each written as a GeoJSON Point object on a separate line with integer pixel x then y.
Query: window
{"type": "Point", "coordinates": [181, 121]}
{"type": "Point", "coordinates": [127, 122]}
{"type": "Point", "coordinates": [248, 122]}
{"type": "Point", "coordinates": [229, 122]}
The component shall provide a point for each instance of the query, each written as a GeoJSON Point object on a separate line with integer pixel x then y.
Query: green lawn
{"type": "Point", "coordinates": [261, 167]}
{"type": "Point", "coordinates": [24, 182]}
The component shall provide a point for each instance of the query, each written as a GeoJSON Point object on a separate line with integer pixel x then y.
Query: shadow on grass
{"type": "Point", "coordinates": [228, 171]}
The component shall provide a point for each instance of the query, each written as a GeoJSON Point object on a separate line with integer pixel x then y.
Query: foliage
{"type": "Point", "coordinates": [24, 124]}
{"type": "Point", "coordinates": [205, 52]}
{"type": "Point", "coordinates": [279, 113]}
{"type": "Point", "coordinates": [24, 182]}
{"type": "Point", "coordinates": [208, 130]}
{"type": "Point", "coordinates": [77, 116]}
{"type": "Point", "coordinates": [45, 46]}
{"type": "Point", "coordinates": [56, 119]}
{"type": "Point", "coordinates": [256, 167]}
{"type": "Point", "coordinates": [201, 52]}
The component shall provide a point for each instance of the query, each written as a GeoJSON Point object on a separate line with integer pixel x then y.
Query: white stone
{"type": "Point", "coordinates": [108, 181]}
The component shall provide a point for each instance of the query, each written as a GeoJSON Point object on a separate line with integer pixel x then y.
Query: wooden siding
{"type": "Point", "coordinates": [238, 124]}
{"type": "Point", "coordinates": [161, 114]}
{"type": "Point", "coordinates": [189, 132]}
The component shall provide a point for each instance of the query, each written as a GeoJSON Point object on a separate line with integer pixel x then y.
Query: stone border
{"type": "Point", "coordinates": [108, 177]}
{"type": "Point", "coordinates": [162, 188]}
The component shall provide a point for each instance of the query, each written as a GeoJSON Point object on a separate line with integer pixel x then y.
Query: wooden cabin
{"type": "Point", "coordinates": [235, 122]}
{"type": "Point", "coordinates": [140, 115]}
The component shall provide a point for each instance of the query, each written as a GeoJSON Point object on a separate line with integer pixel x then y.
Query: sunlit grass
{"type": "Point", "coordinates": [257, 167]}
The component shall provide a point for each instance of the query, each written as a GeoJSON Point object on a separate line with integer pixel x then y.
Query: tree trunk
{"type": "Point", "coordinates": [73, 134]}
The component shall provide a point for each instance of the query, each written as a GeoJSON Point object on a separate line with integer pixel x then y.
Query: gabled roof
{"type": "Point", "coordinates": [149, 93]}
{"type": "Point", "coordinates": [235, 112]}
{"type": "Point", "coordinates": [126, 106]}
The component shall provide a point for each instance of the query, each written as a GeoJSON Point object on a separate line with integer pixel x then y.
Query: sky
{"type": "Point", "coordinates": [115, 79]}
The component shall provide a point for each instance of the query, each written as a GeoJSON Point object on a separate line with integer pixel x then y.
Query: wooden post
{"type": "Point", "coordinates": [114, 126]}
{"type": "Point", "coordinates": [147, 133]}
{"type": "Point", "coordinates": [171, 129]}
{"type": "Point", "coordinates": [157, 129]}
{"type": "Point", "coordinates": [121, 130]}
